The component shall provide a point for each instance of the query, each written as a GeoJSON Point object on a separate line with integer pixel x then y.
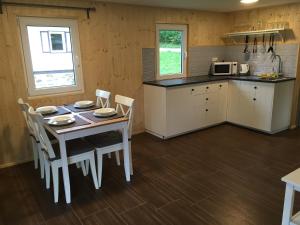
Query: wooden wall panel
{"type": "Point", "coordinates": [111, 43]}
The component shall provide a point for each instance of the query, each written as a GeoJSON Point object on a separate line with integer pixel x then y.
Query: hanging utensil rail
{"type": "Point", "coordinates": [278, 31]}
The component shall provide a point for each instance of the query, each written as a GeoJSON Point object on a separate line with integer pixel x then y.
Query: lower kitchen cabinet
{"type": "Point", "coordinates": [259, 105]}
{"type": "Point", "coordinates": [171, 111]}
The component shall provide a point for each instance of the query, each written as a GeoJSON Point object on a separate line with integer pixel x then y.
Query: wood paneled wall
{"type": "Point", "coordinates": [285, 13]}
{"type": "Point", "coordinates": [111, 43]}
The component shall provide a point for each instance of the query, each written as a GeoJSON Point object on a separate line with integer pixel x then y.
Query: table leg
{"type": "Point", "coordinates": [65, 169]}
{"type": "Point", "coordinates": [126, 153]}
{"type": "Point", "coordinates": [288, 204]}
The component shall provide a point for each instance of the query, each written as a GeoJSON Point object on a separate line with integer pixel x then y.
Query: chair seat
{"type": "Point", "coordinates": [73, 147]}
{"type": "Point", "coordinates": [105, 139]}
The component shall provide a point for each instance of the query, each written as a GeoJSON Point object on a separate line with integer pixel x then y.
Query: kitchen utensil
{"type": "Point", "coordinates": [61, 120]}
{"type": "Point", "coordinates": [244, 69]}
{"type": "Point", "coordinates": [246, 44]}
{"type": "Point", "coordinates": [255, 45]}
{"type": "Point", "coordinates": [263, 44]}
{"type": "Point", "coordinates": [46, 109]}
{"type": "Point", "coordinates": [104, 112]}
{"type": "Point", "coordinates": [271, 43]}
{"type": "Point", "coordinates": [83, 104]}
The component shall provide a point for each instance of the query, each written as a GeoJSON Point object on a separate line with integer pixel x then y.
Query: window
{"type": "Point", "coordinates": [171, 44]}
{"type": "Point", "coordinates": [52, 55]}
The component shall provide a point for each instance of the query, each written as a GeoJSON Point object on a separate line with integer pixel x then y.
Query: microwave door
{"type": "Point", "coordinates": [222, 69]}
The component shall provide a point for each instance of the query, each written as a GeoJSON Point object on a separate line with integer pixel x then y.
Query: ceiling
{"type": "Point", "coordinates": [207, 5]}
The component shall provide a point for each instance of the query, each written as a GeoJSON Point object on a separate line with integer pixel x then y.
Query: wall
{"type": "Point", "coordinates": [111, 47]}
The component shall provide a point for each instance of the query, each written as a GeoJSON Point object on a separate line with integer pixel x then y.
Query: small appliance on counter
{"type": "Point", "coordinates": [224, 68]}
{"type": "Point", "coordinates": [244, 69]}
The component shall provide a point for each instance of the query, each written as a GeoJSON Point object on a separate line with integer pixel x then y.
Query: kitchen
{"type": "Point", "coordinates": [215, 116]}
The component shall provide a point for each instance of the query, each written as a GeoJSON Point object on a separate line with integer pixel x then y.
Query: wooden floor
{"type": "Point", "coordinates": [223, 175]}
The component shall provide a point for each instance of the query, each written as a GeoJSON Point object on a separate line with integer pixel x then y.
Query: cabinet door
{"type": "Point", "coordinates": [263, 106]}
{"type": "Point", "coordinates": [246, 103]}
{"type": "Point", "coordinates": [185, 109]}
{"type": "Point", "coordinates": [233, 101]}
{"type": "Point", "coordinates": [222, 102]}
{"type": "Point", "coordinates": [180, 110]}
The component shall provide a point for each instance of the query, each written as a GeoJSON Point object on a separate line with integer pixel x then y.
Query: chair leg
{"type": "Point", "coordinates": [83, 168]}
{"type": "Point", "coordinates": [87, 166]}
{"type": "Point", "coordinates": [93, 171]}
{"type": "Point", "coordinates": [35, 153]}
{"type": "Point", "coordinates": [288, 204]}
{"type": "Point", "coordinates": [100, 164]}
{"type": "Point", "coordinates": [42, 161]}
{"type": "Point", "coordinates": [78, 165]}
{"type": "Point", "coordinates": [109, 155]}
{"type": "Point", "coordinates": [130, 158]}
{"type": "Point", "coordinates": [55, 182]}
{"type": "Point", "coordinates": [47, 170]}
{"type": "Point", "coordinates": [118, 158]}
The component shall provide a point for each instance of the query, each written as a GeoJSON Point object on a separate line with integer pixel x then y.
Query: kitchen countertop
{"type": "Point", "coordinates": [207, 78]}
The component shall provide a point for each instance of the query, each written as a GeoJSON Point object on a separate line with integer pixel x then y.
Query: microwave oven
{"type": "Point", "coordinates": [224, 68]}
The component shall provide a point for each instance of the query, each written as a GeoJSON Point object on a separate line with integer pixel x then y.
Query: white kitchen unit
{"type": "Point", "coordinates": [259, 105]}
{"type": "Point", "coordinates": [175, 110]}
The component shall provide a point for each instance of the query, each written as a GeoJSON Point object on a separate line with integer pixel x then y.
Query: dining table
{"type": "Point", "coordinates": [85, 125]}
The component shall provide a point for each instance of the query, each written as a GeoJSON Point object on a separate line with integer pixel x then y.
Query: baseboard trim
{"type": "Point", "coordinates": [10, 164]}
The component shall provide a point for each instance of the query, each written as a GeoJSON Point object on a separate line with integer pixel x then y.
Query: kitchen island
{"type": "Point", "coordinates": [177, 106]}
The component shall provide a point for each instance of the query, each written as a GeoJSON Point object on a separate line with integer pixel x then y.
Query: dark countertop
{"type": "Point", "coordinates": [205, 79]}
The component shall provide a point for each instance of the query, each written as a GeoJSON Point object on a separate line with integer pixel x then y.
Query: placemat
{"type": "Point", "coordinates": [78, 122]}
{"type": "Point", "coordinates": [90, 116]}
{"type": "Point", "coordinates": [73, 109]}
{"type": "Point", "coordinates": [60, 111]}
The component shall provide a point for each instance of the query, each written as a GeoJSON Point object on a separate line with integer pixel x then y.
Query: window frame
{"type": "Point", "coordinates": [51, 22]}
{"type": "Point", "coordinates": [179, 27]}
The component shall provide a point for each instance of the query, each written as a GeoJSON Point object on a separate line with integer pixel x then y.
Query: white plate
{"type": "Point", "coordinates": [83, 104]}
{"type": "Point", "coordinates": [105, 112]}
{"type": "Point", "coordinates": [46, 109]}
{"type": "Point", "coordinates": [61, 120]}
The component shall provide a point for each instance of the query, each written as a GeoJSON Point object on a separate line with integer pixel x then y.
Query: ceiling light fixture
{"type": "Point", "coordinates": [248, 1]}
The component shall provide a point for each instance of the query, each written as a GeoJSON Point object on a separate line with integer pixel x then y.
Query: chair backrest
{"type": "Point", "coordinates": [103, 98]}
{"type": "Point", "coordinates": [24, 108]}
{"type": "Point", "coordinates": [125, 106]}
{"type": "Point", "coordinates": [40, 132]}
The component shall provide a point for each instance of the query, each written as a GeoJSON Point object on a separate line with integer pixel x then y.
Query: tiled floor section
{"type": "Point", "coordinates": [223, 175]}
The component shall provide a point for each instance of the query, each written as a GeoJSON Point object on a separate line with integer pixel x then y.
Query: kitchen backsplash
{"type": "Point", "coordinates": [262, 62]}
{"type": "Point", "coordinates": [200, 59]}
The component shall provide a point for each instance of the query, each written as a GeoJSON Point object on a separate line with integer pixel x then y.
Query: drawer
{"type": "Point", "coordinates": [197, 90]}
{"type": "Point", "coordinates": [211, 98]}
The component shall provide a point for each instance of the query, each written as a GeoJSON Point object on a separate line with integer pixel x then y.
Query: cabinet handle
{"type": "Point", "coordinates": [254, 99]}
{"type": "Point", "coordinates": [193, 89]}
{"type": "Point", "coordinates": [206, 99]}
{"type": "Point", "coordinates": [207, 87]}
{"type": "Point", "coordinates": [255, 87]}
{"type": "Point", "coordinates": [220, 85]}
{"type": "Point", "coordinates": [206, 110]}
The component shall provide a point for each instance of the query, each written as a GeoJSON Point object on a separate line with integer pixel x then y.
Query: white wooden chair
{"type": "Point", "coordinates": [292, 181]}
{"type": "Point", "coordinates": [37, 154]}
{"type": "Point", "coordinates": [103, 98]}
{"type": "Point", "coordinates": [78, 151]}
{"type": "Point", "coordinates": [112, 141]}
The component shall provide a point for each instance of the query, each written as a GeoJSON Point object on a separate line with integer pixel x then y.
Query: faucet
{"type": "Point", "coordinates": [274, 56]}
